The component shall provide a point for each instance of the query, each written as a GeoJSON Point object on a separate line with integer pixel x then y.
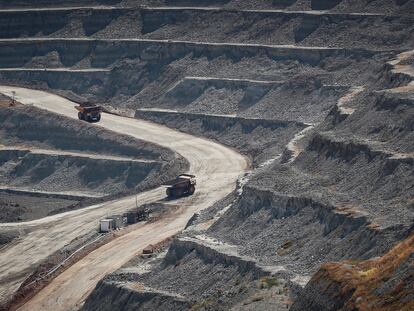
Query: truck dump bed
{"type": "Point", "coordinates": [183, 178]}
{"type": "Point", "coordinates": [88, 108]}
{"type": "Point", "coordinates": [89, 112]}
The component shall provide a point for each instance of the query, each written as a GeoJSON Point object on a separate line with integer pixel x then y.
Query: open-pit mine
{"type": "Point", "coordinates": [207, 155]}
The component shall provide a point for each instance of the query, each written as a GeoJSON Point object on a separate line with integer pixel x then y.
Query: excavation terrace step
{"type": "Point", "coordinates": [331, 217]}
{"type": "Point", "coordinates": [104, 53]}
{"type": "Point", "coordinates": [219, 118]}
{"type": "Point", "coordinates": [57, 153]}
{"type": "Point", "coordinates": [60, 70]}
{"type": "Point", "coordinates": [65, 79]}
{"type": "Point", "coordinates": [214, 250]}
{"type": "Point", "coordinates": [336, 5]}
{"type": "Point", "coordinates": [54, 3]}
{"type": "Point", "coordinates": [255, 98]}
{"type": "Point", "coordinates": [346, 147]}
{"type": "Point", "coordinates": [132, 295]}
{"type": "Point", "coordinates": [243, 82]}
{"type": "Point", "coordinates": [76, 196]}
{"type": "Point", "coordinates": [292, 231]}
{"type": "Point", "coordinates": [181, 9]}
{"type": "Point", "coordinates": [264, 11]}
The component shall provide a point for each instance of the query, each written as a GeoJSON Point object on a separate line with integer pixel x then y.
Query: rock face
{"type": "Point", "coordinates": [383, 283]}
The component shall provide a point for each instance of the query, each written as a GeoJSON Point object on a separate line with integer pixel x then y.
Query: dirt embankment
{"type": "Point", "coordinates": [21, 207]}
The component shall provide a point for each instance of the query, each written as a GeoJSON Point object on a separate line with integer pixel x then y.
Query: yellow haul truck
{"type": "Point", "coordinates": [89, 112]}
{"type": "Point", "coordinates": [181, 186]}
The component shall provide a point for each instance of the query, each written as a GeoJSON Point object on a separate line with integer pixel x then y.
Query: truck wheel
{"type": "Point", "coordinates": [169, 193]}
{"type": "Point", "coordinates": [98, 118]}
{"type": "Point", "coordinates": [80, 115]}
{"type": "Point", "coordinates": [191, 190]}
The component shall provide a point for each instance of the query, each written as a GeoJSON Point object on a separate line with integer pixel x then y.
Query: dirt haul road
{"type": "Point", "coordinates": [217, 169]}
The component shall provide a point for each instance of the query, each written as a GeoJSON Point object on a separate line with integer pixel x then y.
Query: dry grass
{"type": "Point", "coordinates": [363, 278]}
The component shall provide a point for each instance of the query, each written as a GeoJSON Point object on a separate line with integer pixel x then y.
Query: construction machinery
{"type": "Point", "coordinates": [89, 112]}
{"type": "Point", "coordinates": [181, 186]}
{"type": "Point", "coordinates": [137, 215]}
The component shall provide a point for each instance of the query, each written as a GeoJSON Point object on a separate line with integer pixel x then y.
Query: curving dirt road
{"type": "Point", "coordinates": [217, 169]}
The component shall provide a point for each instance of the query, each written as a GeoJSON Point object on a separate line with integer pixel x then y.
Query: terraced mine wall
{"type": "Point", "coordinates": [182, 247]}
{"type": "Point", "coordinates": [325, 159]}
{"type": "Point", "coordinates": [246, 98]}
{"type": "Point", "coordinates": [383, 117]}
{"type": "Point", "coordinates": [364, 6]}
{"type": "Point", "coordinates": [41, 128]}
{"type": "Point", "coordinates": [77, 82]}
{"type": "Point", "coordinates": [298, 232]}
{"type": "Point", "coordinates": [376, 6]}
{"type": "Point", "coordinates": [206, 278]}
{"type": "Point", "coordinates": [54, 3]}
{"type": "Point", "coordinates": [319, 207]}
{"type": "Point", "coordinates": [337, 5]}
{"type": "Point", "coordinates": [299, 28]}
{"type": "Point", "coordinates": [152, 68]}
{"type": "Point", "coordinates": [260, 139]}
{"type": "Point", "coordinates": [105, 53]}
{"type": "Point", "coordinates": [151, 60]}
{"type": "Point", "coordinates": [302, 98]}
{"type": "Point", "coordinates": [277, 27]}
{"type": "Point", "coordinates": [62, 22]}
{"type": "Point", "coordinates": [70, 156]}
{"type": "Point", "coordinates": [191, 89]}
{"type": "Point", "coordinates": [342, 192]}
{"type": "Point", "coordinates": [57, 173]}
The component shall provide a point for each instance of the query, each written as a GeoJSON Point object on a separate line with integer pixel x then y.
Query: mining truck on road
{"type": "Point", "coordinates": [89, 112]}
{"type": "Point", "coordinates": [181, 186]}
